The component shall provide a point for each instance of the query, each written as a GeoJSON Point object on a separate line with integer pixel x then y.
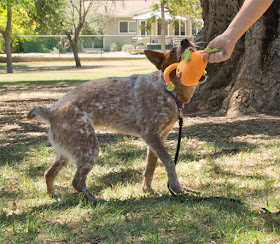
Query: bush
{"type": "Point", "coordinates": [114, 47]}
{"type": "Point", "coordinates": [127, 47]}
{"type": "Point", "coordinates": [38, 46]}
{"type": "Point", "coordinates": [55, 50]}
{"type": "Point", "coordinates": [2, 47]}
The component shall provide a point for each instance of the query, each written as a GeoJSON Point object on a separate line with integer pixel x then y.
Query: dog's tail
{"type": "Point", "coordinates": [40, 113]}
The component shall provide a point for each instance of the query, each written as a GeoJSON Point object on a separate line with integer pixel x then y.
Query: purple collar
{"type": "Point", "coordinates": [178, 102]}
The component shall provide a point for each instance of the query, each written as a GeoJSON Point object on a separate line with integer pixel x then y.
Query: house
{"type": "Point", "coordinates": [128, 15]}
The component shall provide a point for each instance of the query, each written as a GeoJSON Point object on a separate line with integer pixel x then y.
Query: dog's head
{"type": "Point", "coordinates": [163, 60]}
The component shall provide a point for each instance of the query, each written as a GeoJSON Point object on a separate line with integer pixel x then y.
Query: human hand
{"type": "Point", "coordinates": [223, 42]}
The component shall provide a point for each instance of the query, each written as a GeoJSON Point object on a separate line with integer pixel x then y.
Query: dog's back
{"type": "Point", "coordinates": [126, 104]}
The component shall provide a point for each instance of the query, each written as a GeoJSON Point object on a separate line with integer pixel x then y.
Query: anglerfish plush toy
{"type": "Point", "coordinates": [190, 69]}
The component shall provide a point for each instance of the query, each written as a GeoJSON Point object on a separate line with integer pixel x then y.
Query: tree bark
{"type": "Point", "coordinates": [249, 81]}
{"type": "Point", "coordinates": [74, 46]}
{"type": "Point", "coordinates": [7, 37]}
{"type": "Point", "coordinates": [76, 56]}
{"type": "Point", "coordinates": [162, 37]}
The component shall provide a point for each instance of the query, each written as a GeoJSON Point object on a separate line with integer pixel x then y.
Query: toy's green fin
{"type": "Point", "coordinates": [212, 50]}
{"type": "Point", "coordinates": [187, 55]}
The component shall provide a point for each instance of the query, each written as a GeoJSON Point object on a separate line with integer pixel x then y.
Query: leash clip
{"type": "Point", "coordinates": [180, 113]}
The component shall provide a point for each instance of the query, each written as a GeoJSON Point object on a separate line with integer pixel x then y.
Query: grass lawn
{"type": "Point", "coordinates": [230, 158]}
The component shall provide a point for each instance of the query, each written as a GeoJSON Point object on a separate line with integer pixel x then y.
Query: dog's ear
{"type": "Point", "coordinates": [155, 57]}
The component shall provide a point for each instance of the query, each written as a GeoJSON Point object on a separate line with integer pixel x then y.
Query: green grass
{"type": "Point", "coordinates": [238, 158]}
{"type": "Point", "coordinates": [57, 72]}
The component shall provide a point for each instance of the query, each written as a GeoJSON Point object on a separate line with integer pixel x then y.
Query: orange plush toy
{"type": "Point", "coordinates": [190, 69]}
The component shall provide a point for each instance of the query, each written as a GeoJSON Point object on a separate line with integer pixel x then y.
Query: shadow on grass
{"type": "Point", "coordinates": [186, 216]}
{"type": "Point", "coordinates": [26, 85]}
{"type": "Point", "coordinates": [24, 67]}
{"type": "Point", "coordinates": [222, 135]}
{"type": "Point", "coordinates": [14, 155]}
{"type": "Point", "coordinates": [123, 176]}
{"type": "Point", "coordinates": [121, 153]}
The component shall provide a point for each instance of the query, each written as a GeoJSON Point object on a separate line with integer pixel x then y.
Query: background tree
{"type": "Point", "coordinates": [14, 20]}
{"type": "Point", "coordinates": [162, 28]}
{"type": "Point", "coordinates": [74, 20]}
{"type": "Point", "coordinates": [70, 17]}
{"type": "Point", "coordinates": [6, 32]}
{"type": "Point", "coordinates": [48, 16]}
{"type": "Point", "coordinates": [250, 80]}
{"type": "Point", "coordinates": [185, 8]}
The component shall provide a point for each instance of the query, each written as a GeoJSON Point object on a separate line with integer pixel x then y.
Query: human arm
{"type": "Point", "coordinates": [249, 13]}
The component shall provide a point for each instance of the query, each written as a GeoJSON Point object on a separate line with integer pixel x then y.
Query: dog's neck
{"type": "Point", "coordinates": [183, 93]}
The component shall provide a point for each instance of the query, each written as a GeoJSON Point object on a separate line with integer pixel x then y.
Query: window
{"type": "Point", "coordinates": [123, 27]}
{"type": "Point", "coordinates": [127, 27]}
{"type": "Point", "coordinates": [180, 28]}
{"type": "Point", "coordinates": [159, 28]}
{"type": "Point", "coordinates": [177, 27]}
{"type": "Point", "coordinates": [143, 31]}
{"type": "Point", "coordinates": [131, 27]}
{"type": "Point", "coordinates": [183, 28]}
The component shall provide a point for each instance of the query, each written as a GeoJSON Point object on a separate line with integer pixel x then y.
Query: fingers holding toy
{"type": "Point", "coordinates": [216, 57]}
{"type": "Point", "coordinates": [225, 46]}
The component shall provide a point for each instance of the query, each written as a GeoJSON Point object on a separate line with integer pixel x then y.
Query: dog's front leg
{"type": "Point", "coordinates": [149, 170]}
{"type": "Point", "coordinates": [155, 143]}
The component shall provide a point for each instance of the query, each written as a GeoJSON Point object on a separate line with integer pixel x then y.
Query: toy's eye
{"type": "Point", "coordinates": [172, 53]}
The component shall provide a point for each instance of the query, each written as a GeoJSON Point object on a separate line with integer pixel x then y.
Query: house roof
{"type": "Point", "coordinates": [157, 14]}
{"type": "Point", "coordinates": [127, 8]}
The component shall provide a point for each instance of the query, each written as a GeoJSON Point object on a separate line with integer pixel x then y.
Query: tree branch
{"type": "Point", "coordinates": [80, 12]}
{"type": "Point", "coordinates": [9, 19]}
{"type": "Point", "coordinates": [86, 10]}
{"type": "Point", "coordinates": [73, 13]}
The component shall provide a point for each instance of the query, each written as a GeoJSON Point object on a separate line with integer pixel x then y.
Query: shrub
{"type": "Point", "coordinates": [114, 47]}
{"type": "Point", "coordinates": [37, 45]}
{"type": "Point", "coordinates": [127, 47]}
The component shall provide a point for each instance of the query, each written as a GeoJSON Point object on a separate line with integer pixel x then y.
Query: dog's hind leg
{"type": "Point", "coordinates": [79, 181]}
{"type": "Point", "coordinates": [154, 141]}
{"type": "Point", "coordinates": [87, 150]}
{"type": "Point", "coordinates": [52, 172]}
{"type": "Point", "coordinates": [149, 170]}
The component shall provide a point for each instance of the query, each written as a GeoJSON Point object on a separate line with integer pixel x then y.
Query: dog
{"type": "Point", "coordinates": [138, 105]}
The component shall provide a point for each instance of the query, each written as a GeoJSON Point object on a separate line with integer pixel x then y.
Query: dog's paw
{"type": "Point", "coordinates": [96, 201]}
{"type": "Point", "coordinates": [175, 186]}
{"type": "Point", "coordinates": [148, 189]}
{"type": "Point", "coordinates": [54, 194]}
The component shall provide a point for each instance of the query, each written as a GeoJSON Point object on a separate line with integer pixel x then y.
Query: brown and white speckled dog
{"type": "Point", "coordinates": [138, 105]}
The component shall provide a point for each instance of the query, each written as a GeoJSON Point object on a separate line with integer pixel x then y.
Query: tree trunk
{"type": "Point", "coordinates": [76, 54]}
{"type": "Point", "coordinates": [8, 52]}
{"type": "Point", "coordinates": [74, 46]}
{"type": "Point", "coordinates": [250, 80]}
{"type": "Point", "coordinates": [7, 37]}
{"type": "Point", "coordinates": [162, 37]}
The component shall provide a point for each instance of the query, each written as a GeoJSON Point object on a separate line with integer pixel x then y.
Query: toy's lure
{"type": "Point", "coordinates": [212, 50]}
{"type": "Point", "coordinates": [190, 69]}
{"type": "Point", "coordinates": [187, 55]}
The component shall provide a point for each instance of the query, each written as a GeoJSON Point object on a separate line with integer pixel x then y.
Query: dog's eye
{"type": "Point", "coordinates": [172, 53]}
